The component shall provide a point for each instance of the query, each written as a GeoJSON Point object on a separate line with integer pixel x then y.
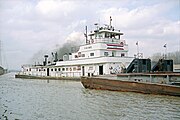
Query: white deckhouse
{"type": "Point", "coordinates": [104, 53]}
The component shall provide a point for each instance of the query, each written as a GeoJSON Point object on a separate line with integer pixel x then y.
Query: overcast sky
{"type": "Point", "coordinates": [28, 26]}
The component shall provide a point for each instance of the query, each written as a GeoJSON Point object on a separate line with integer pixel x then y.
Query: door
{"type": "Point", "coordinates": [47, 71]}
{"type": "Point", "coordinates": [113, 53]}
{"type": "Point", "coordinates": [101, 70]}
{"type": "Point", "coordinates": [83, 72]}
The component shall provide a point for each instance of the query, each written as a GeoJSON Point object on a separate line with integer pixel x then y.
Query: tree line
{"type": "Point", "coordinates": [175, 56]}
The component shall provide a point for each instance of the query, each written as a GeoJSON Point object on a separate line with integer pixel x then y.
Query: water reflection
{"type": "Point", "coordinates": [54, 100]}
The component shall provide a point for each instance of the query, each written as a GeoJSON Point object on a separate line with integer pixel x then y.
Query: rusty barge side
{"type": "Point", "coordinates": [129, 86]}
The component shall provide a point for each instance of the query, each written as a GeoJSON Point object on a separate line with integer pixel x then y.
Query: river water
{"type": "Point", "coordinates": [27, 99]}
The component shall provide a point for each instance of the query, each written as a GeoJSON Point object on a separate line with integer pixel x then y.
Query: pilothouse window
{"type": "Point", "coordinates": [107, 35]}
{"type": "Point", "coordinates": [91, 54]}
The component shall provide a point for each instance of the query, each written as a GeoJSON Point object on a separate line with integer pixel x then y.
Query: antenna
{"type": "Point", "coordinates": [99, 22]}
{"type": "Point", "coordinates": [139, 55]}
{"type": "Point", "coordinates": [137, 49]}
{"type": "Point", "coordinates": [86, 35]}
{"type": "Point", "coordinates": [97, 25]}
{"type": "Point", "coordinates": [110, 21]}
{"type": "Point", "coordinates": [165, 51]}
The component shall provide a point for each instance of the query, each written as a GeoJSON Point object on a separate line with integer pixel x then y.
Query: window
{"type": "Point", "coordinates": [91, 54]}
{"type": "Point", "coordinates": [100, 36]}
{"type": "Point", "coordinates": [83, 55]}
{"type": "Point", "coordinates": [59, 69]}
{"type": "Point", "coordinates": [122, 54]}
{"type": "Point", "coordinates": [66, 69]}
{"type": "Point", "coordinates": [55, 69]}
{"type": "Point", "coordinates": [107, 35]}
{"type": "Point", "coordinates": [95, 35]}
{"type": "Point", "coordinates": [90, 68]}
{"type": "Point", "coordinates": [105, 53]}
{"type": "Point", "coordinates": [63, 69]}
{"type": "Point", "coordinates": [78, 67]}
{"type": "Point", "coordinates": [74, 68]}
{"type": "Point", "coordinates": [76, 56]}
{"type": "Point", "coordinates": [79, 54]}
{"type": "Point", "coordinates": [51, 69]}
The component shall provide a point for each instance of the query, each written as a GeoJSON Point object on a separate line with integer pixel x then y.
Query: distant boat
{"type": "Point", "coordinates": [2, 70]}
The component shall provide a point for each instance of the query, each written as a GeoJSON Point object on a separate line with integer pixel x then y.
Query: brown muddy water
{"type": "Point", "coordinates": [27, 99]}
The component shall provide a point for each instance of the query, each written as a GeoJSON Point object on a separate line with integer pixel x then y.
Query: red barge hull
{"type": "Point", "coordinates": [130, 86]}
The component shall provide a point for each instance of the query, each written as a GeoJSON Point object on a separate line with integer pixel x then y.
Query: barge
{"type": "Point", "coordinates": [140, 77]}
{"type": "Point", "coordinates": [149, 83]}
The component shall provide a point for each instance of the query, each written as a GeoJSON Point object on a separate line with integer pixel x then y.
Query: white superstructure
{"type": "Point", "coordinates": [104, 53]}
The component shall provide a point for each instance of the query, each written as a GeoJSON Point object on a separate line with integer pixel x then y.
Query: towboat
{"type": "Point", "coordinates": [103, 53]}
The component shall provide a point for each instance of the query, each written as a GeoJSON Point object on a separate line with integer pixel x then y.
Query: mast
{"type": "Point", "coordinates": [110, 22]}
{"type": "Point", "coordinates": [85, 34]}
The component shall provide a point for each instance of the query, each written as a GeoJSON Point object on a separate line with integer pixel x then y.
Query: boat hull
{"type": "Point", "coordinates": [129, 86]}
{"type": "Point", "coordinates": [46, 77]}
